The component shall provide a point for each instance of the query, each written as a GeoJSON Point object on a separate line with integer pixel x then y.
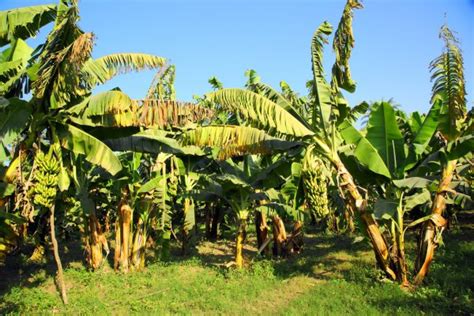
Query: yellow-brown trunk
{"type": "Point", "coordinates": [126, 213]}
{"type": "Point", "coordinates": [279, 235]}
{"type": "Point", "coordinates": [139, 245]}
{"type": "Point", "coordinates": [358, 203]}
{"type": "Point", "coordinates": [427, 244]}
{"type": "Point", "coordinates": [98, 243]}
{"type": "Point", "coordinates": [239, 244]}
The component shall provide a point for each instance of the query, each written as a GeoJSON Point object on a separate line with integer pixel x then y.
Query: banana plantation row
{"type": "Point", "coordinates": [146, 172]}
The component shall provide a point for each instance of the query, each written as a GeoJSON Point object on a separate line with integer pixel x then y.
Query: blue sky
{"type": "Point", "coordinates": [395, 41]}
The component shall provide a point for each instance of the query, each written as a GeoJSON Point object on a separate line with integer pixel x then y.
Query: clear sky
{"type": "Point", "coordinates": [395, 41]}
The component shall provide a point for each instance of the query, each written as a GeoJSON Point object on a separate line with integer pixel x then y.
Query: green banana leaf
{"type": "Point", "coordinates": [384, 135]}
{"type": "Point", "coordinates": [364, 151]}
{"type": "Point", "coordinates": [95, 151]}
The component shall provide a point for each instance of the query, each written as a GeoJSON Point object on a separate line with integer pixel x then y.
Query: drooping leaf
{"type": "Point", "coordinates": [232, 179]}
{"type": "Point", "coordinates": [152, 141]}
{"type": "Point", "coordinates": [10, 73]}
{"type": "Point", "coordinates": [278, 98]}
{"type": "Point", "coordinates": [385, 209]}
{"type": "Point", "coordinates": [419, 198]}
{"type": "Point", "coordinates": [415, 121]}
{"type": "Point", "coordinates": [106, 109]}
{"type": "Point", "coordinates": [281, 209]}
{"type": "Point", "coordinates": [66, 50]}
{"type": "Point", "coordinates": [13, 67]}
{"type": "Point", "coordinates": [260, 111]}
{"type": "Point", "coordinates": [152, 184]}
{"type": "Point", "coordinates": [167, 114]}
{"type": "Point", "coordinates": [103, 69]}
{"type": "Point", "coordinates": [412, 182]}
{"type": "Point", "coordinates": [462, 147]}
{"type": "Point", "coordinates": [18, 50]}
{"type": "Point", "coordinates": [235, 140]}
{"type": "Point", "coordinates": [427, 128]}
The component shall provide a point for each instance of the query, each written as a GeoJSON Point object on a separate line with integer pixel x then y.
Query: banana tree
{"type": "Point", "coordinates": [396, 156]}
{"type": "Point", "coordinates": [129, 234]}
{"type": "Point", "coordinates": [455, 128]}
{"type": "Point", "coordinates": [85, 178]}
{"type": "Point", "coordinates": [151, 189]}
{"type": "Point", "coordinates": [240, 185]}
{"type": "Point", "coordinates": [285, 200]}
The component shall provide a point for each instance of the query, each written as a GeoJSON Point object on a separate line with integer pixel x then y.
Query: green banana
{"type": "Point", "coordinates": [315, 185]}
{"type": "Point", "coordinates": [46, 179]}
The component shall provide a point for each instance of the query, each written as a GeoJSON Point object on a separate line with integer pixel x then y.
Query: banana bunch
{"type": "Point", "coordinates": [46, 178]}
{"type": "Point", "coordinates": [315, 184]}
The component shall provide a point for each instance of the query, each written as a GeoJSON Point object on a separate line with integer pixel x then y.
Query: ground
{"type": "Point", "coordinates": [333, 275]}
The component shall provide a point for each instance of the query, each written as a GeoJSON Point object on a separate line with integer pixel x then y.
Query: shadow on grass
{"type": "Point", "coordinates": [323, 257]}
{"type": "Point", "coordinates": [18, 273]}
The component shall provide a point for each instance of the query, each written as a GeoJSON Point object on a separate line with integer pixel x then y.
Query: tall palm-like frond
{"type": "Point", "coordinates": [320, 88]}
{"type": "Point", "coordinates": [449, 85]}
{"type": "Point", "coordinates": [102, 69]}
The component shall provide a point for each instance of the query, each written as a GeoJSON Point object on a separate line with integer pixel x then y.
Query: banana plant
{"type": "Point", "coordinates": [230, 187]}
{"type": "Point", "coordinates": [396, 156]}
{"type": "Point", "coordinates": [85, 177]}
{"type": "Point", "coordinates": [185, 169]}
{"type": "Point", "coordinates": [285, 200]}
{"type": "Point", "coordinates": [243, 184]}
{"type": "Point", "coordinates": [132, 216]}
{"type": "Point", "coordinates": [149, 198]}
{"type": "Point", "coordinates": [456, 130]}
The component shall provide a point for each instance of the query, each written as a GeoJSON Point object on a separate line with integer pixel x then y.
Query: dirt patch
{"type": "Point", "coordinates": [221, 252]}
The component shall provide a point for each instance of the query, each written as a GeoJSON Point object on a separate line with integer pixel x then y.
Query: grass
{"type": "Point", "coordinates": [333, 275]}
